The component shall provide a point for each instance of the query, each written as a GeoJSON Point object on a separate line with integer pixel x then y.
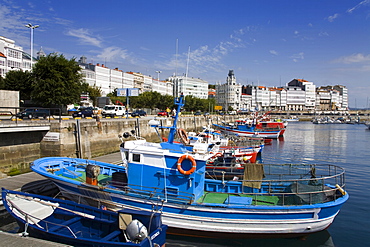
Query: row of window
{"type": "Point", "coordinates": [14, 64]}
{"type": "Point", "coordinates": [14, 54]}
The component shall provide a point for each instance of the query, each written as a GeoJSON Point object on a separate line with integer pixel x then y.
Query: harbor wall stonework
{"type": "Point", "coordinates": [97, 137]}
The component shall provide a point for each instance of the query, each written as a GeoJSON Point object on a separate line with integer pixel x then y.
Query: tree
{"type": "Point", "coordinates": [18, 80]}
{"type": "Point", "coordinates": [2, 83]}
{"type": "Point", "coordinates": [191, 103]}
{"type": "Point", "coordinates": [166, 101]}
{"type": "Point", "coordinates": [94, 92]}
{"type": "Point", "coordinates": [149, 99]}
{"type": "Point", "coordinates": [58, 81]}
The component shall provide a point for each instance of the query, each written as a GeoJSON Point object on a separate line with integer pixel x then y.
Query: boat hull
{"type": "Point", "coordinates": [235, 219]}
{"type": "Point", "coordinates": [230, 222]}
{"type": "Point", "coordinates": [263, 134]}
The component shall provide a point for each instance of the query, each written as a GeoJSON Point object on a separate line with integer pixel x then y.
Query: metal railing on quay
{"type": "Point", "coordinates": [16, 114]}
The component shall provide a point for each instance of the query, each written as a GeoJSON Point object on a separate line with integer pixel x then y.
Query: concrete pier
{"type": "Point", "coordinates": [15, 239]}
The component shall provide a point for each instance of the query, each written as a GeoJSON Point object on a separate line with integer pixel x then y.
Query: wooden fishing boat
{"type": "Point", "coordinates": [68, 222]}
{"type": "Point", "coordinates": [264, 200]}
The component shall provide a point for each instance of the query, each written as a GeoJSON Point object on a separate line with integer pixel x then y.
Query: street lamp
{"type": "Point", "coordinates": [158, 72]}
{"type": "Point", "coordinates": [29, 25]}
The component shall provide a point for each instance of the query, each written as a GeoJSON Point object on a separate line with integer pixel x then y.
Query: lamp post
{"type": "Point", "coordinates": [29, 25]}
{"type": "Point", "coordinates": [158, 72]}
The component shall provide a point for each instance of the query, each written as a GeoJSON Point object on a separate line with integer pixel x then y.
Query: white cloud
{"type": "Point", "coordinates": [365, 2]}
{"type": "Point", "coordinates": [333, 17]}
{"type": "Point", "coordinates": [205, 58]}
{"type": "Point", "coordinates": [354, 58]}
{"type": "Point", "coordinates": [297, 57]}
{"type": "Point", "coordinates": [110, 54]}
{"type": "Point", "coordinates": [85, 36]}
{"type": "Point", "coordinates": [273, 52]}
{"type": "Point", "coordinates": [322, 34]}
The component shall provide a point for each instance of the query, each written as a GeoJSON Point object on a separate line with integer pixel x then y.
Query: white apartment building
{"type": "Point", "coordinates": [189, 86]}
{"type": "Point", "coordinates": [162, 87]}
{"type": "Point", "coordinates": [307, 88]}
{"type": "Point", "coordinates": [229, 95]}
{"type": "Point", "coordinates": [110, 79]}
{"type": "Point", "coordinates": [332, 98]}
{"type": "Point", "coordinates": [12, 57]}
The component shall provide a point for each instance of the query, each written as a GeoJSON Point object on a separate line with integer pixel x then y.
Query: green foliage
{"type": "Point", "coordinates": [196, 104]}
{"type": "Point", "coordinates": [94, 92]}
{"type": "Point", "coordinates": [18, 80]}
{"type": "Point", "coordinates": [210, 86]}
{"type": "Point", "coordinates": [151, 100]}
{"type": "Point", "coordinates": [2, 83]}
{"type": "Point", "coordinates": [57, 81]}
{"type": "Point", "coordinates": [166, 101]}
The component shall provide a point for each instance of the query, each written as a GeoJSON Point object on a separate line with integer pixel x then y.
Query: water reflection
{"type": "Point", "coordinates": [319, 239]}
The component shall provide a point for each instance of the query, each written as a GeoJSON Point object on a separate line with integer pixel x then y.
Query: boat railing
{"type": "Point", "coordinates": [168, 194]}
{"type": "Point", "coordinates": [156, 193]}
{"type": "Point", "coordinates": [293, 185]}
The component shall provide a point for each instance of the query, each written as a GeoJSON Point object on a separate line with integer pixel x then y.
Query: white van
{"type": "Point", "coordinates": [113, 110]}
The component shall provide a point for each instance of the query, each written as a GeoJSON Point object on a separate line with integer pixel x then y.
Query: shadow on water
{"type": "Point", "coordinates": [319, 239]}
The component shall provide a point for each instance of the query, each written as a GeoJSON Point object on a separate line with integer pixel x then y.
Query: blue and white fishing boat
{"type": "Point", "coordinates": [68, 222]}
{"type": "Point", "coordinates": [273, 200]}
{"type": "Point", "coordinates": [249, 130]}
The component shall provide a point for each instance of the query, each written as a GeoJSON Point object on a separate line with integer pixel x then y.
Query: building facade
{"type": "Point", "coordinates": [229, 95]}
{"type": "Point", "coordinates": [189, 86]}
{"type": "Point", "coordinates": [12, 57]}
{"type": "Point", "coordinates": [108, 80]}
{"type": "Point", "coordinates": [332, 98]}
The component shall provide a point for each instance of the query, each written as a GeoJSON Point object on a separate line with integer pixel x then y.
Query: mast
{"type": "Point", "coordinates": [173, 128]}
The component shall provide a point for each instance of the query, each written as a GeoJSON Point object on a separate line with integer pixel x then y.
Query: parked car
{"type": "Point", "coordinates": [163, 113]}
{"type": "Point", "coordinates": [84, 112]}
{"type": "Point", "coordinates": [138, 113]}
{"type": "Point", "coordinates": [33, 113]}
{"type": "Point", "coordinates": [113, 110]}
{"type": "Point", "coordinates": [198, 113]}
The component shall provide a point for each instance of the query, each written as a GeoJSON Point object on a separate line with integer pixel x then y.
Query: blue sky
{"type": "Point", "coordinates": [265, 42]}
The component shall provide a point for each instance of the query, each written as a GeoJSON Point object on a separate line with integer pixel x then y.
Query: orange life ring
{"type": "Point", "coordinates": [192, 160]}
{"type": "Point", "coordinates": [183, 136]}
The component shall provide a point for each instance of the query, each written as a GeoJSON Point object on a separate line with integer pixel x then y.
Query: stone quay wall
{"type": "Point", "coordinates": [97, 137]}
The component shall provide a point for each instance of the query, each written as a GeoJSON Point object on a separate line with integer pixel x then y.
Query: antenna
{"type": "Point", "coordinates": [177, 51]}
{"type": "Point", "coordinates": [187, 66]}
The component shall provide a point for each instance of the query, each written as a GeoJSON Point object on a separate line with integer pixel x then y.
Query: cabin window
{"type": "Point", "coordinates": [136, 157]}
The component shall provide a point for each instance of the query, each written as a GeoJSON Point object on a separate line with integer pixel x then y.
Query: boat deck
{"type": "Point", "coordinates": [294, 190]}
{"type": "Point", "coordinates": [242, 199]}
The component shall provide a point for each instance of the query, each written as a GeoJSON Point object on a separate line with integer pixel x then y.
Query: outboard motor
{"type": "Point", "coordinates": [136, 231]}
{"type": "Point", "coordinates": [92, 173]}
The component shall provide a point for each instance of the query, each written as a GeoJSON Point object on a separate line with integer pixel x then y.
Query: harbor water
{"type": "Point", "coordinates": [344, 145]}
